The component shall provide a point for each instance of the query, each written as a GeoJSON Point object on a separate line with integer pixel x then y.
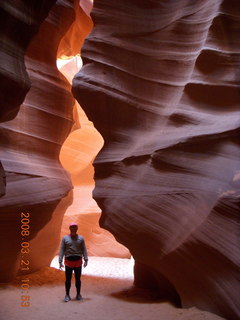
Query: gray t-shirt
{"type": "Point", "coordinates": [72, 246]}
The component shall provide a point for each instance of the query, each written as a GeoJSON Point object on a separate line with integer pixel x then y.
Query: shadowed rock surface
{"type": "Point", "coordinates": [165, 75]}
{"type": "Point", "coordinates": [30, 146]}
{"type": "Point", "coordinates": [31, 143]}
{"type": "Point", "coordinates": [19, 22]}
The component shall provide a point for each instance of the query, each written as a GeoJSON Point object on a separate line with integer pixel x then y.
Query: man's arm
{"type": "Point", "coordinates": [61, 253]}
{"type": "Point", "coordinates": [84, 250]}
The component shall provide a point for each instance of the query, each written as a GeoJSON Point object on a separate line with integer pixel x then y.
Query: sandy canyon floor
{"type": "Point", "coordinates": [107, 294]}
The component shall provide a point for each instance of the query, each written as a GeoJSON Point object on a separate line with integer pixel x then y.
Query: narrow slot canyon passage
{"type": "Point", "coordinates": [76, 156]}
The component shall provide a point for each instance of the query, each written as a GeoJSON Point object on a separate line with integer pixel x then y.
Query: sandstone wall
{"type": "Point", "coordinates": [20, 21]}
{"type": "Point", "coordinates": [165, 76]}
{"type": "Point", "coordinates": [43, 133]}
{"type": "Point", "coordinates": [30, 143]}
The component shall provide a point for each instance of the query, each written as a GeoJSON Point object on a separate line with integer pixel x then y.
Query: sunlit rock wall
{"type": "Point", "coordinates": [73, 39]}
{"type": "Point", "coordinates": [30, 144]}
{"type": "Point", "coordinates": [80, 149]}
{"type": "Point", "coordinates": [77, 155]}
{"type": "Point", "coordinates": [161, 84]}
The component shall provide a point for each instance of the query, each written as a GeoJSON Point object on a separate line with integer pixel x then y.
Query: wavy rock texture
{"type": "Point", "coordinates": [165, 76]}
{"type": "Point", "coordinates": [19, 22]}
{"type": "Point", "coordinates": [36, 181]}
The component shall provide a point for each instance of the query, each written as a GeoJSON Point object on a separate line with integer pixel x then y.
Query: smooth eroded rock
{"type": "Point", "coordinates": [30, 147]}
{"type": "Point", "coordinates": [19, 22]}
{"type": "Point", "coordinates": [165, 78]}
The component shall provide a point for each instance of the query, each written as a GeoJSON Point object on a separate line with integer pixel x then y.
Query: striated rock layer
{"type": "Point", "coordinates": [165, 77]}
{"type": "Point", "coordinates": [20, 21]}
{"type": "Point", "coordinates": [30, 146]}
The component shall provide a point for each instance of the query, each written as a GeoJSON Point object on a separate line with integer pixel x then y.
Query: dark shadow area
{"type": "Point", "coordinates": [155, 284]}
{"type": "Point", "coordinates": [140, 295]}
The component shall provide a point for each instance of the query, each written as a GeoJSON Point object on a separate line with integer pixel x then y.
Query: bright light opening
{"type": "Point", "coordinates": [106, 267]}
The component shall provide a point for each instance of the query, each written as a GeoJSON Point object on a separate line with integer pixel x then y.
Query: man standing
{"type": "Point", "coordinates": [73, 248]}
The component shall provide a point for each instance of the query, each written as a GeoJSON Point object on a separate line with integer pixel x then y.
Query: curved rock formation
{"type": "Point", "coordinates": [30, 146]}
{"type": "Point", "coordinates": [165, 78]}
{"type": "Point", "coordinates": [20, 21]}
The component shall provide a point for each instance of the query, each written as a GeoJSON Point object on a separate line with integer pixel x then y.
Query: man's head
{"type": "Point", "coordinates": [73, 227]}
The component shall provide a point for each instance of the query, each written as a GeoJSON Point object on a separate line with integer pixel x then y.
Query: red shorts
{"type": "Point", "coordinates": [73, 264]}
